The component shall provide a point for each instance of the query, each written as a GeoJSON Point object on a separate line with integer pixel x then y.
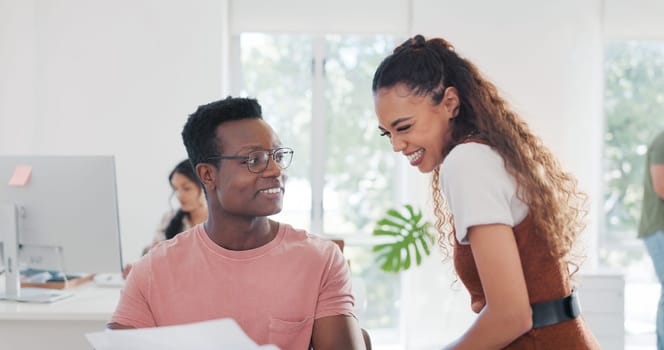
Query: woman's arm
{"type": "Point", "coordinates": [507, 313]}
{"type": "Point", "coordinates": [657, 174]}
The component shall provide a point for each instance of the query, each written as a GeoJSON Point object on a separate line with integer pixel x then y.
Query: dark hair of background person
{"type": "Point", "coordinates": [176, 225]}
{"type": "Point", "coordinates": [428, 67]}
{"type": "Point", "coordinates": [199, 133]}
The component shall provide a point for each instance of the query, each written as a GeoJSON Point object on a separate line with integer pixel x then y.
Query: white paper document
{"type": "Point", "coordinates": [222, 334]}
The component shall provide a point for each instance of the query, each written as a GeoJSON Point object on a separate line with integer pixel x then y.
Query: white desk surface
{"type": "Point", "coordinates": [89, 303]}
{"type": "Point", "coordinates": [60, 325]}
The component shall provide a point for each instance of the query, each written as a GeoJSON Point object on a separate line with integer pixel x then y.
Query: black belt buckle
{"type": "Point", "coordinates": [555, 311]}
{"type": "Point", "coordinates": [573, 306]}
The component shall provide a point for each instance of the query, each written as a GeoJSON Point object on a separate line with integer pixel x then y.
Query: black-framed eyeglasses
{"type": "Point", "coordinates": [257, 161]}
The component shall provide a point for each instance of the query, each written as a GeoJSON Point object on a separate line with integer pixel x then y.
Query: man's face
{"type": "Point", "coordinates": [238, 190]}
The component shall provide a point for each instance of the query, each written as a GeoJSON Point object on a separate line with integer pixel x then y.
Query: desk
{"type": "Point", "coordinates": [59, 325]}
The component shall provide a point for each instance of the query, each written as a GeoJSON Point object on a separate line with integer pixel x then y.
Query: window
{"type": "Point", "coordinates": [634, 111]}
{"type": "Point", "coordinates": [316, 93]}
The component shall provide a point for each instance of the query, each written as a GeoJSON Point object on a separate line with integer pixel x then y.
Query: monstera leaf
{"type": "Point", "coordinates": [408, 234]}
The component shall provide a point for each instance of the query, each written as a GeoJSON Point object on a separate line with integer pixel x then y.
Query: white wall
{"type": "Point", "coordinates": [17, 75]}
{"type": "Point", "coordinates": [320, 17]}
{"type": "Point", "coordinates": [110, 77]}
{"type": "Point", "coordinates": [633, 19]}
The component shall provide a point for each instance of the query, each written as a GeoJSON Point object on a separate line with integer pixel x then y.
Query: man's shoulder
{"type": "Point", "coordinates": [305, 240]}
{"type": "Point", "coordinates": [182, 241]}
{"type": "Point", "coordinates": [167, 254]}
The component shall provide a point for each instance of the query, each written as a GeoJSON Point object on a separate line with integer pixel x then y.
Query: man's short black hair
{"type": "Point", "coordinates": [199, 133]}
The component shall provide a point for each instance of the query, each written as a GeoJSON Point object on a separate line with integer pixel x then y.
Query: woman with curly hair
{"type": "Point", "coordinates": [503, 206]}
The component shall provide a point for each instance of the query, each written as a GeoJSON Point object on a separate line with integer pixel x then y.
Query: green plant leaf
{"type": "Point", "coordinates": [411, 235]}
{"type": "Point", "coordinates": [418, 256]}
{"type": "Point", "coordinates": [388, 222]}
{"type": "Point", "coordinates": [394, 213]}
{"type": "Point", "coordinates": [381, 247]}
{"type": "Point", "coordinates": [410, 209]}
{"type": "Point", "coordinates": [425, 245]}
{"type": "Point", "coordinates": [378, 232]}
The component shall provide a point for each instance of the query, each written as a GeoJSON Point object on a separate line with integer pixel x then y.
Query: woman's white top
{"type": "Point", "coordinates": [478, 189]}
{"type": "Point", "coordinates": [160, 234]}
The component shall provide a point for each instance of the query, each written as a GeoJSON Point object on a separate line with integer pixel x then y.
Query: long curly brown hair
{"type": "Point", "coordinates": [427, 68]}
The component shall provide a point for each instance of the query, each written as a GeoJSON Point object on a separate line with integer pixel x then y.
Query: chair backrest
{"type": "Point", "coordinates": [340, 243]}
{"type": "Point", "coordinates": [367, 339]}
{"type": "Point", "coordinates": [365, 334]}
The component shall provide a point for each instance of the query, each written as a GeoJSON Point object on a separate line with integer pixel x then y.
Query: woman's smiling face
{"type": "Point", "coordinates": [415, 126]}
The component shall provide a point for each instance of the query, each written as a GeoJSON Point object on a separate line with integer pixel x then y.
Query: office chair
{"type": "Point", "coordinates": [367, 339]}
{"type": "Point", "coordinates": [365, 334]}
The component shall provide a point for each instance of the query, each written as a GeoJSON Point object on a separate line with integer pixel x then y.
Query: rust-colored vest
{"type": "Point", "coordinates": [546, 279]}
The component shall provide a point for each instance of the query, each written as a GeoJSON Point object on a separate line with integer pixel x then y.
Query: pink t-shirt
{"type": "Point", "coordinates": [275, 292]}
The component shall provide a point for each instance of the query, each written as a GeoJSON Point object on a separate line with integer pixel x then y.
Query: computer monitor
{"type": "Point", "coordinates": [63, 218]}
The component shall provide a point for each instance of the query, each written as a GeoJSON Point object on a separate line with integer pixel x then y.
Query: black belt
{"type": "Point", "coordinates": [555, 311]}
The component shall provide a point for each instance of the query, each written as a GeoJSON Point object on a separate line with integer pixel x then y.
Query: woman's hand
{"type": "Point", "coordinates": [126, 270]}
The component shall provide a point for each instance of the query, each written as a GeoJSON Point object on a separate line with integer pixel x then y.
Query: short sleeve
{"type": "Point", "coordinates": [479, 190]}
{"type": "Point", "coordinates": [133, 308]}
{"type": "Point", "coordinates": [336, 295]}
{"type": "Point", "coordinates": [657, 150]}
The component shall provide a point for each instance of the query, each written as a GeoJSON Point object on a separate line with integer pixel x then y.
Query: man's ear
{"type": "Point", "coordinates": [451, 100]}
{"type": "Point", "coordinates": [207, 173]}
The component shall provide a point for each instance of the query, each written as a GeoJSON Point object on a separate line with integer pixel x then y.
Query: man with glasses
{"type": "Point", "coordinates": [282, 285]}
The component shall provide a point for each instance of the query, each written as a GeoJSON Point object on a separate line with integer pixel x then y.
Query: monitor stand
{"type": "Point", "coordinates": [9, 233]}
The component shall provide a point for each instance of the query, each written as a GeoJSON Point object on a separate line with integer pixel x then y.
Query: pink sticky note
{"type": "Point", "coordinates": [21, 176]}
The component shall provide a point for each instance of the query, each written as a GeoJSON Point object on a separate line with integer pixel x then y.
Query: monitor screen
{"type": "Point", "coordinates": [67, 212]}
